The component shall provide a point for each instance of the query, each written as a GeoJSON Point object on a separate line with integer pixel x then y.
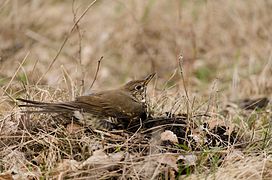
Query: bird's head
{"type": "Point", "coordinates": [137, 88]}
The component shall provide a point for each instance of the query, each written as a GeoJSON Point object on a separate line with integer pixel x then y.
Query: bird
{"type": "Point", "coordinates": [106, 109]}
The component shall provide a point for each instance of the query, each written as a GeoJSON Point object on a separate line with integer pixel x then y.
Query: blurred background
{"type": "Point", "coordinates": [226, 47]}
{"type": "Point", "coordinates": [226, 44]}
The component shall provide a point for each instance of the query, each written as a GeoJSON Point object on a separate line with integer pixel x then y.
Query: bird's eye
{"type": "Point", "coordinates": [138, 87]}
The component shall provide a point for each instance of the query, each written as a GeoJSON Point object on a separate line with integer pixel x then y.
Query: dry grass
{"type": "Point", "coordinates": [226, 48]}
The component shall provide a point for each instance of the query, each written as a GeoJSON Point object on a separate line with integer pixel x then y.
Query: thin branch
{"type": "Point", "coordinates": [20, 65]}
{"type": "Point", "coordinates": [14, 75]}
{"type": "Point", "coordinates": [182, 76]}
{"type": "Point", "coordinates": [211, 96]}
{"type": "Point", "coordinates": [78, 31]}
{"type": "Point", "coordinates": [79, 56]}
{"type": "Point", "coordinates": [66, 39]}
{"type": "Point", "coordinates": [180, 60]}
{"type": "Point", "coordinates": [96, 73]}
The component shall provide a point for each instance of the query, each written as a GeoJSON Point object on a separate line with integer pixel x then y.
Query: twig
{"type": "Point", "coordinates": [14, 75]}
{"type": "Point", "coordinates": [70, 85]}
{"type": "Point", "coordinates": [169, 79]}
{"type": "Point", "coordinates": [96, 73]}
{"type": "Point", "coordinates": [34, 68]}
{"type": "Point", "coordinates": [111, 135]}
{"type": "Point", "coordinates": [182, 76]}
{"type": "Point", "coordinates": [78, 31]}
{"type": "Point", "coordinates": [20, 65]}
{"type": "Point", "coordinates": [211, 96]}
{"type": "Point", "coordinates": [163, 125]}
{"type": "Point", "coordinates": [180, 60]}
{"type": "Point", "coordinates": [79, 56]}
{"type": "Point", "coordinates": [66, 39]}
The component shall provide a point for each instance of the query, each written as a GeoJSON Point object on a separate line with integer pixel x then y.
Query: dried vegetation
{"type": "Point", "coordinates": [209, 118]}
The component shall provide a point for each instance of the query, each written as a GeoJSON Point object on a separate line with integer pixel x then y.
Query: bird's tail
{"type": "Point", "coordinates": [48, 107]}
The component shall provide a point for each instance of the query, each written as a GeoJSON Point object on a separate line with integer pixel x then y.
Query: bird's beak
{"type": "Point", "coordinates": [149, 78]}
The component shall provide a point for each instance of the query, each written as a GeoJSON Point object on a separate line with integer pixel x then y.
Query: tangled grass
{"type": "Point", "coordinates": [48, 56]}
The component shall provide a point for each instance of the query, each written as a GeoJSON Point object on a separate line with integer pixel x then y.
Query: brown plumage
{"type": "Point", "coordinates": [123, 104]}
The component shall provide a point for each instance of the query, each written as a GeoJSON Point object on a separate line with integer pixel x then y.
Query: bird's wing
{"type": "Point", "coordinates": [48, 107]}
{"type": "Point", "coordinates": [113, 104]}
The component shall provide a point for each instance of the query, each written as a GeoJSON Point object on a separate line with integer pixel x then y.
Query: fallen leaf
{"type": "Point", "coordinates": [99, 158]}
{"type": "Point", "coordinates": [189, 159]}
{"type": "Point", "coordinates": [68, 164]}
{"type": "Point", "coordinates": [169, 160]}
{"type": "Point", "coordinates": [169, 136]}
{"type": "Point", "coordinates": [6, 176]}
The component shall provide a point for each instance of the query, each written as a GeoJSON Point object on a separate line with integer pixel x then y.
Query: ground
{"type": "Point", "coordinates": [213, 64]}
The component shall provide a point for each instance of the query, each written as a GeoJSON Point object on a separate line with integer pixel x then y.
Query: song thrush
{"type": "Point", "coordinates": [123, 105]}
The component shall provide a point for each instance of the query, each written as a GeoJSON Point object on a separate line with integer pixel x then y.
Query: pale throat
{"type": "Point", "coordinates": [140, 96]}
